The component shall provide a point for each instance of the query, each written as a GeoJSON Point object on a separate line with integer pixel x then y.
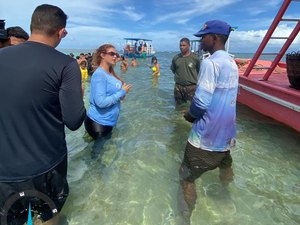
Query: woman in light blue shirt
{"type": "Point", "coordinates": [106, 92]}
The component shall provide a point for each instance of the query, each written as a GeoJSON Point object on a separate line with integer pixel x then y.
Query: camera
{"type": "Point", "coordinates": [3, 33]}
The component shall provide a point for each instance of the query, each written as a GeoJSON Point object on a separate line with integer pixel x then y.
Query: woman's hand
{"type": "Point", "coordinates": [126, 87]}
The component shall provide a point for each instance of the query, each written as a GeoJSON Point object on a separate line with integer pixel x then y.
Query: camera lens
{"type": "Point", "coordinates": [3, 34]}
{"type": "Point", "coordinates": [2, 24]}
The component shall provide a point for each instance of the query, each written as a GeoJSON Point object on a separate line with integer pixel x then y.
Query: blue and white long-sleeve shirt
{"type": "Point", "coordinates": [216, 94]}
{"type": "Point", "coordinates": [105, 97]}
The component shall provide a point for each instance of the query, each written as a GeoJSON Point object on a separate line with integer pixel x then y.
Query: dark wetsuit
{"type": "Point", "coordinates": [40, 94]}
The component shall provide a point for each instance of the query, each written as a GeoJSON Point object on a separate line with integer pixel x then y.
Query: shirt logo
{"type": "Point", "coordinates": [204, 26]}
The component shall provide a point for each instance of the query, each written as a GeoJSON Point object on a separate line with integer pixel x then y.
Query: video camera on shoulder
{"type": "Point", "coordinates": [3, 33]}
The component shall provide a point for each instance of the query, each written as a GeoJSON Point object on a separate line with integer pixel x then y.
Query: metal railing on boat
{"type": "Point", "coordinates": [269, 36]}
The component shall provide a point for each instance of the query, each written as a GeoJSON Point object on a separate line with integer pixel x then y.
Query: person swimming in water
{"type": "Point", "coordinates": [124, 64]}
{"type": "Point", "coordinates": [155, 67]}
{"type": "Point", "coordinates": [133, 62]}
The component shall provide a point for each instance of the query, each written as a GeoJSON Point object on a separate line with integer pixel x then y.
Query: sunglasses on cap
{"type": "Point", "coordinates": [113, 54]}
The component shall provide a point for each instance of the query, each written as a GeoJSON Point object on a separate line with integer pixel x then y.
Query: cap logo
{"type": "Point", "coordinates": [204, 26]}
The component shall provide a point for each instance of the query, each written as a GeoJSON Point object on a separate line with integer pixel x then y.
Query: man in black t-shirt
{"type": "Point", "coordinates": [40, 94]}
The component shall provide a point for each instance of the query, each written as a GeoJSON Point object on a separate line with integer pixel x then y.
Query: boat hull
{"type": "Point", "coordinates": [278, 102]}
{"type": "Point", "coordinates": [134, 55]}
{"type": "Point", "coordinates": [138, 48]}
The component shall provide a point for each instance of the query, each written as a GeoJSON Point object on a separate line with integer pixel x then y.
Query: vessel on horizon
{"type": "Point", "coordinates": [138, 48]}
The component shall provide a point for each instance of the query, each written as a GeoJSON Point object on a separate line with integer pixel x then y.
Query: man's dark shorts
{"type": "Point", "coordinates": [53, 183]}
{"type": "Point", "coordinates": [184, 93]}
{"type": "Point", "coordinates": [197, 161]}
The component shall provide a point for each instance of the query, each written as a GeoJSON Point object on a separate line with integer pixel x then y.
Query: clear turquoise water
{"type": "Point", "coordinates": [134, 180]}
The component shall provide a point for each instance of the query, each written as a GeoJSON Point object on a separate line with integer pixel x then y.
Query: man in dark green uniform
{"type": "Point", "coordinates": [185, 67]}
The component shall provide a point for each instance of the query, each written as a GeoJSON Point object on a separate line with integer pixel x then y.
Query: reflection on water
{"type": "Point", "coordinates": [134, 179]}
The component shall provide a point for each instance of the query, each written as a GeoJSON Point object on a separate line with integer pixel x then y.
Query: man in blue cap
{"type": "Point", "coordinates": [213, 114]}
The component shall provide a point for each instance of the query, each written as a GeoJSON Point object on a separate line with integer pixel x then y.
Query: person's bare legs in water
{"type": "Point", "coordinates": [187, 197]}
{"type": "Point", "coordinates": [195, 163]}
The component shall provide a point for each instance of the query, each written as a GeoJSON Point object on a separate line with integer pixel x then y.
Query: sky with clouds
{"type": "Point", "coordinates": [94, 22]}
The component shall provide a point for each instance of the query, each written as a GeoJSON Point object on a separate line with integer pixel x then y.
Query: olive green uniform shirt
{"type": "Point", "coordinates": [185, 69]}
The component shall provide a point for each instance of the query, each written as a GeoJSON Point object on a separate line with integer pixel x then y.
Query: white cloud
{"type": "Point", "coordinates": [130, 12]}
{"type": "Point", "coordinates": [187, 10]}
{"type": "Point", "coordinates": [251, 39]}
{"type": "Point", "coordinates": [92, 22]}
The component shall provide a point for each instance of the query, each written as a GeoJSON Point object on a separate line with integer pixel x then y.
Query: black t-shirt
{"type": "Point", "coordinates": [40, 93]}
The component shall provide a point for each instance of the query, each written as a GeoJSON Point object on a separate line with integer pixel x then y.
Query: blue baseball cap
{"type": "Point", "coordinates": [214, 27]}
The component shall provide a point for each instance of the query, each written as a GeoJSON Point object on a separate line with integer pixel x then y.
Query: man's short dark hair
{"type": "Point", "coordinates": [17, 32]}
{"type": "Point", "coordinates": [186, 40]}
{"type": "Point", "coordinates": [47, 19]}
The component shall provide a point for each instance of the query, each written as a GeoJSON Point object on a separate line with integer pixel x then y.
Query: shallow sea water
{"type": "Point", "coordinates": [134, 178]}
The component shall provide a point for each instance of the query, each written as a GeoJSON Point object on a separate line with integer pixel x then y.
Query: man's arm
{"type": "Point", "coordinates": [101, 99]}
{"type": "Point", "coordinates": [198, 65]}
{"type": "Point", "coordinates": [70, 96]}
{"type": "Point", "coordinates": [204, 92]}
{"type": "Point", "coordinates": [173, 65]}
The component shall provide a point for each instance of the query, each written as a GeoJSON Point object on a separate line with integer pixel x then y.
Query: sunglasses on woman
{"type": "Point", "coordinates": [113, 54]}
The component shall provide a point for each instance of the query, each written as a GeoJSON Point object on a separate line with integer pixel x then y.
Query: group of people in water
{"type": "Point", "coordinates": [154, 66]}
{"type": "Point", "coordinates": [87, 67]}
{"type": "Point", "coordinates": [139, 48]}
{"type": "Point", "coordinates": [125, 64]}
{"type": "Point", "coordinates": [43, 94]}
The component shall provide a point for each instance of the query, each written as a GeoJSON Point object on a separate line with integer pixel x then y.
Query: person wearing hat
{"type": "Point", "coordinates": [213, 114]}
